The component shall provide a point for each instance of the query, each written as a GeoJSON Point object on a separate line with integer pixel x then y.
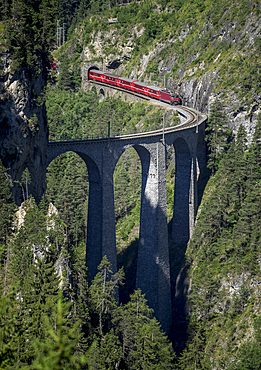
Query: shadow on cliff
{"type": "Point", "coordinates": [179, 277]}
{"type": "Point", "coordinates": [179, 268]}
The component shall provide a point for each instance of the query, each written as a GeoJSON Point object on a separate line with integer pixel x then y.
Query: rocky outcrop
{"type": "Point", "coordinates": [39, 250]}
{"type": "Point", "coordinates": [108, 50]}
{"type": "Point", "coordinates": [23, 130]}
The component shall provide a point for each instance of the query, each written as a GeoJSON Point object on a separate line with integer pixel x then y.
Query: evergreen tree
{"type": "Point", "coordinates": [105, 352]}
{"type": "Point", "coordinates": [57, 350]}
{"type": "Point", "coordinates": [7, 208]}
{"type": "Point", "coordinates": [219, 134]}
{"type": "Point", "coordinates": [10, 330]}
{"type": "Point", "coordinates": [242, 170]}
{"type": "Point", "coordinates": [30, 33]}
{"type": "Point", "coordinates": [144, 345]}
{"type": "Point", "coordinates": [102, 291]}
{"type": "Point", "coordinates": [65, 80]}
{"type": "Point", "coordinates": [255, 153]}
{"type": "Point", "coordinates": [35, 252]}
{"type": "Point", "coordinates": [249, 353]}
{"type": "Point", "coordinates": [38, 298]}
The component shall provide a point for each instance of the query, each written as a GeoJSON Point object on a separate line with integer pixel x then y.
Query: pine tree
{"type": "Point", "coordinates": [241, 166]}
{"type": "Point", "coordinates": [218, 136]}
{"type": "Point", "coordinates": [39, 295]}
{"type": "Point", "coordinates": [65, 81]}
{"type": "Point", "coordinates": [102, 291]}
{"type": "Point", "coordinates": [30, 34]}
{"type": "Point", "coordinates": [7, 208]}
{"type": "Point", "coordinates": [10, 330]}
{"type": "Point", "coordinates": [57, 350]}
{"type": "Point", "coordinates": [36, 250]}
{"type": "Point", "coordinates": [144, 345]}
{"type": "Point", "coordinates": [255, 153]}
{"type": "Point", "coordinates": [105, 352]}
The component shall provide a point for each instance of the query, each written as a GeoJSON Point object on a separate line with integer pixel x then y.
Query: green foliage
{"type": "Point", "coordinates": [127, 179]}
{"type": "Point", "coordinates": [106, 352]}
{"type": "Point", "coordinates": [9, 329]}
{"type": "Point", "coordinates": [218, 136]}
{"type": "Point", "coordinates": [102, 293]}
{"type": "Point", "coordinates": [249, 353]}
{"type": "Point", "coordinates": [7, 208]}
{"type": "Point", "coordinates": [29, 33]}
{"type": "Point", "coordinates": [56, 350]}
{"type": "Point", "coordinates": [144, 344]}
{"type": "Point", "coordinates": [226, 245]}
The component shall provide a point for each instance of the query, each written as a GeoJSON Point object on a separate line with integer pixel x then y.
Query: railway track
{"type": "Point", "coordinates": [194, 118]}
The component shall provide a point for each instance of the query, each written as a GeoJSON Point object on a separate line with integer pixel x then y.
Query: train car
{"type": "Point", "coordinates": [154, 92]}
{"type": "Point", "coordinates": [139, 87]}
{"type": "Point", "coordinates": [135, 85]}
{"type": "Point", "coordinates": [95, 74]}
{"type": "Point", "coordinates": [110, 78]}
{"type": "Point", "coordinates": [125, 82]}
{"type": "Point", "coordinates": [165, 96]}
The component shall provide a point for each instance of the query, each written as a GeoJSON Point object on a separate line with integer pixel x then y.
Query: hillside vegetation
{"type": "Point", "coordinates": [181, 40]}
{"type": "Point", "coordinates": [187, 42]}
{"type": "Point", "coordinates": [208, 51]}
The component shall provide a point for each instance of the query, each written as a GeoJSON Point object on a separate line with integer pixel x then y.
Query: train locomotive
{"type": "Point", "coordinates": [136, 86]}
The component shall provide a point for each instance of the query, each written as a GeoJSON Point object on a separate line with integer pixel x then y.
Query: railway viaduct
{"type": "Point", "coordinates": [101, 156]}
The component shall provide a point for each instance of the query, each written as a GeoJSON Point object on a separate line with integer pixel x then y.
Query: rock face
{"type": "Point", "coordinates": [39, 250]}
{"type": "Point", "coordinates": [23, 131]}
{"type": "Point", "coordinates": [197, 92]}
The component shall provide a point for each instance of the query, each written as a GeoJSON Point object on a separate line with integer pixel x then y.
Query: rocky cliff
{"type": "Point", "coordinates": [197, 58]}
{"type": "Point", "coordinates": [23, 130]}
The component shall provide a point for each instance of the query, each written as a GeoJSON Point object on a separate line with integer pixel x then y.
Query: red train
{"type": "Point", "coordinates": [134, 85]}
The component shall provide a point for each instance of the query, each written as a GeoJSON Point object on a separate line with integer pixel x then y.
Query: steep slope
{"type": "Point", "coordinates": [26, 38]}
{"type": "Point", "coordinates": [23, 131]}
{"type": "Point", "coordinates": [204, 49]}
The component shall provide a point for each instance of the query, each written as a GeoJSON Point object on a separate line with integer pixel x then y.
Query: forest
{"type": "Point", "coordinates": [52, 316]}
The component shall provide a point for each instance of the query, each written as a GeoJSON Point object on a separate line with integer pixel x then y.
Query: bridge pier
{"type": "Point", "coordinates": [101, 238]}
{"type": "Point", "coordinates": [185, 192]}
{"type": "Point", "coordinates": [153, 272]}
{"type": "Point", "coordinates": [108, 215]}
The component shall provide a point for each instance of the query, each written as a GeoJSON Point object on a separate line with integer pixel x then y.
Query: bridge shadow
{"type": "Point", "coordinates": [179, 267]}
{"type": "Point", "coordinates": [179, 293]}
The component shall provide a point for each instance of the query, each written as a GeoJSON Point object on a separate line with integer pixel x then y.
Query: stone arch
{"type": "Point", "coordinates": [94, 218]}
{"type": "Point", "coordinates": [127, 200]}
{"type": "Point", "coordinates": [181, 211]}
{"type": "Point", "coordinates": [153, 276]}
{"type": "Point", "coordinates": [146, 279]}
{"type": "Point", "coordinates": [148, 169]}
{"type": "Point", "coordinates": [101, 94]}
{"type": "Point", "coordinates": [92, 67]}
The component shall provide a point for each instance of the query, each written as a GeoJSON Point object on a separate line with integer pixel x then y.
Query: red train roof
{"type": "Point", "coordinates": [139, 83]}
{"type": "Point", "coordinates": [110, 75]}
{"type": "Point", "coordinates": [126, 79]}
{"type": "Point", "coordinates": [96, 71]}
{"type": "Point", "coordinates": [155, 88]}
